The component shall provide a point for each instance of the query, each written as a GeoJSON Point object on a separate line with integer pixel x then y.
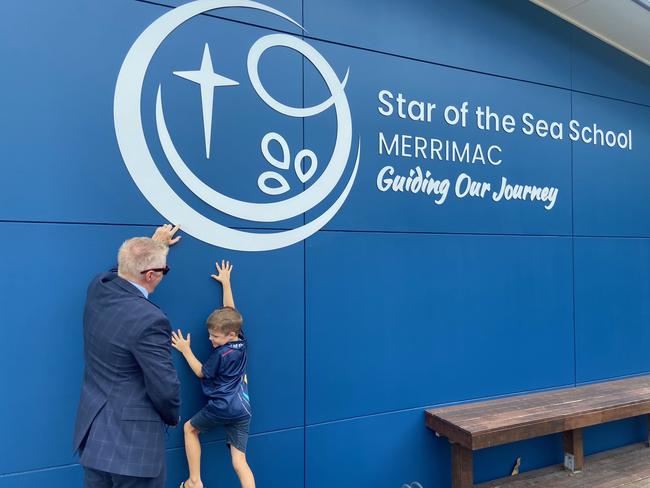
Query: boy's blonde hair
{"type": "Point", "coordinates": [225, 320]}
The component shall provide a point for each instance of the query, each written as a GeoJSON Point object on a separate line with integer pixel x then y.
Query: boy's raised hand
{"type": "Point", "coordinates": [223, 277]}
{"type": "Point", "coordinates": [223, 272]}
{"type": "Point", "coordinates": [179, 342]}
{"type": "Point", "coordinates": [182, 344]}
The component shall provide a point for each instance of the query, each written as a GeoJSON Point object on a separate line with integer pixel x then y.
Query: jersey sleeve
{"type": "Point", "coordinates": [211, 367]}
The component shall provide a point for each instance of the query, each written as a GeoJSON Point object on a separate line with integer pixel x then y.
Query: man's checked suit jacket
{"type": "Point", "coordinates": [130, 387]}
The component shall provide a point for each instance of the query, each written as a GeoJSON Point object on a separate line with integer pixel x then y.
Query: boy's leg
{"type": "Point", "coordinates": [193, 453]}
{"type": "Point", "coordinates": [241, 468]}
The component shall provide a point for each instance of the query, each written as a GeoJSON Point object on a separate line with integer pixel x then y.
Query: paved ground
{"type": "Point", "coordinates": [627, 467]}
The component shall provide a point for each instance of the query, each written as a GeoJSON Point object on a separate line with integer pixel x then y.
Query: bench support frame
{"type": "Point", "coordinates": [574, 458]}
{"type": "Point", "coordinates": [462, 467]}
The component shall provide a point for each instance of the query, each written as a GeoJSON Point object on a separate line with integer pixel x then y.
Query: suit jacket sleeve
{"type": "Point", "coordinates": [154, 355]}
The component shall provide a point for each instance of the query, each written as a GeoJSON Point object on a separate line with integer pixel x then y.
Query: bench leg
{"type": "Point", "coordinates": [648, 438]}
{"type": "Point", "coordinates": [462, 469]}
{"type": "Point", "coordinates": [574, 458]}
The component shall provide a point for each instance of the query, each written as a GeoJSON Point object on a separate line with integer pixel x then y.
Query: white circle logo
{"type": "Point", "coordinates": [145, 173]}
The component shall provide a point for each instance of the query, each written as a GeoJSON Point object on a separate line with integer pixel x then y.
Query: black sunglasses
{"type": "Point", "coordinates": [164, 270]}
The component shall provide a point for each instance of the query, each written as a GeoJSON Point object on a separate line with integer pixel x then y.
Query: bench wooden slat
{"type": "Point", "coordinates": [494, 422]}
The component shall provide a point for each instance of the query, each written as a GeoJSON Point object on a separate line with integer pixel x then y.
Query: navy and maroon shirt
{"type": "Point", "coordinates": [225, 384]}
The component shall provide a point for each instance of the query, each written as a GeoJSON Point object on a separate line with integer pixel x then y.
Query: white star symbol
{"type": "Point", "coordinates": [208, 80]}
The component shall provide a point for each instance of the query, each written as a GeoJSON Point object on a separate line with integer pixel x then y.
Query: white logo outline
{"type": "Point", "coordinates": [146, 175]}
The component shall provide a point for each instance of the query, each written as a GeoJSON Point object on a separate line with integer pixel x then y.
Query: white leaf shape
{"type": "Point", "coordinates": [313, 165]}
{"type": "Point", "coordinates": [273, 190]}
{"type": "Point", "coordinates": [286, 157]}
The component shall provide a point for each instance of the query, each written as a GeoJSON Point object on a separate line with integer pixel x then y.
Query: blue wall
{"type": "Point", "coordinates": [397, 304]}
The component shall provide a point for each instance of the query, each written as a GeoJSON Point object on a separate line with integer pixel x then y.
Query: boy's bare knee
{"type": "Point", "coordinates": [189, 428]}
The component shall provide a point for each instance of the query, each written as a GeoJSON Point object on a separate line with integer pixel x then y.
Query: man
{"type": "Point", "coordinates": [130, 388]}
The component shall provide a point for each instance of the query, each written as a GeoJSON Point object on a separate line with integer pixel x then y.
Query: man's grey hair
{"type": "Point", "coordinates": [140, 253]}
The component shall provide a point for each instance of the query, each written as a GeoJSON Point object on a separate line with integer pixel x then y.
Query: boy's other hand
{"type": "Point", "coordinates": [223, 272]}
{"type": "Point", "coordinates": [165, 234]}
{"type": "Point", "coordinates": [179, 342]}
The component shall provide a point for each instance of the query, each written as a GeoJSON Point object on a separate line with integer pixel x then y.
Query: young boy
{"type": "Point", "coordinates": [223, 379]}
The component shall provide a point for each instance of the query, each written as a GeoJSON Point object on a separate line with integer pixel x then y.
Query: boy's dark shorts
{"type": "Point", "coordinates": [236, 432]}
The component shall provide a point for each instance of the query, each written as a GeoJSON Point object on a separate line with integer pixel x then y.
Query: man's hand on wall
{"type": "Point", "coordinates": [165, 234]}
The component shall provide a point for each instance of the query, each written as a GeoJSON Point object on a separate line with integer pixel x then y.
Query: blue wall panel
{"type": "Point", "coordinates": [43, 295]}
{"type": "Point", "coordinates": [497, 462]}
{"type": "Point", "coordinates": [269, 290]}
{"type": "Point", "coordinates": [610, 183]}
{"type": "Point", "coordinates": [389, 326]}
{"type": "Point", "coordinates": [492, 37]}
{"type": "Point", "coordinates": [275, 458]}
{"type": "Point", "coordinates": [62, 161]}
{"type": "Point", "coordinates": [74, 170]}
{"type": "Point", "coordinates": [526, 159]}
{"type": "Point", "coordinates": [379, 451]}
{"type": "Point", "coordinates": [291, 8]}
{"type": "Point", "coordinates": [612, 307]}
{"type": "Point", "coordinates": [601, 69]}
{"type": "Point", "coordinates": [61, 476]}
{"type": "Point", "coordinates": [51, 357]}
{"type": "Point", "coordinates": [406, 453]}
{"type": "Point", "coordinates": [615, 434]}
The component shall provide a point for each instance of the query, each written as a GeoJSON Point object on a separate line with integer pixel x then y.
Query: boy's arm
{"type": "Point", "coordinates": [182, 345]}
{"type": "Point", "coordinates": [223, 277]}
{"type": "Point", "coordinates": [228, 300]}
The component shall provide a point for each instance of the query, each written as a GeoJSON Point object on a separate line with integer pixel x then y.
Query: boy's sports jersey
{"type": "Point", "coordinates": [225, 384]}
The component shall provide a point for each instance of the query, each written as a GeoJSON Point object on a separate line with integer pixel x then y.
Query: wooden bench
{"type": "Point", "coordinates": [473, 426]}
